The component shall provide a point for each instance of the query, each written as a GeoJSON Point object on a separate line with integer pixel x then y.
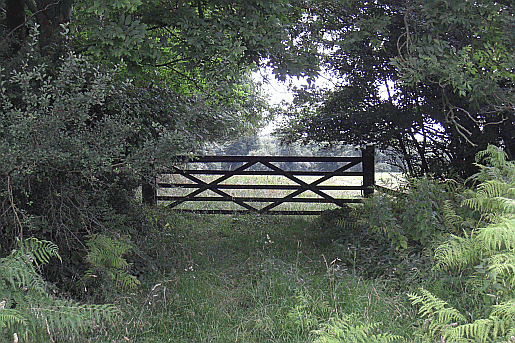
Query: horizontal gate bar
{"type": "Point", "coordinates": [248, 199]}
{"type": "Point", "coordinates": [267, 159]}
{"type": "Point", "coordinates": [276, 212]}
{"type": "Point", "coordinates": [265, 172]}
{"type": "Point", "coordinates": [270, 187]}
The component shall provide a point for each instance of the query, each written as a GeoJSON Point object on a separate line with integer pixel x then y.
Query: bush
{"type": "Point", "coordinates": [423, 211]}
{"type": "Point", "coordinates": [68, 163]}
{"type": "Point", "coordinates": [484, 262]}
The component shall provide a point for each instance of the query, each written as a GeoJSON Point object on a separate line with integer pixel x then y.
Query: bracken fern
{"type": "Point", "coordinates": [488, 256]}
{"type": "Point", "coordinates": [444, 321]}
{"type": "Point", "coordinates": [349, 329]}
{"type": "Point", "coordinates": [29, 310]}
{"type": "Point", "coordinates": [106, 257]}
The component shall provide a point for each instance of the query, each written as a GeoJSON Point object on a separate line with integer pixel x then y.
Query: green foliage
{"type": "Point", "coordinates": [29, 310]}
{"type": "Point", "coordinates": [450, 325]}
{"type": "Point", "coordinates": [418, 78]}
{"type": "Point", "coordinates": [108, 264]}
{"type": "Point", "coordinates": [349, 329]}
{"type": "Point", "coordinates": [484, 258]}
{"type": "Point", "coordinates": [31, 252]}
{"type": "Point", "coordinates": [64, 148]}
{"type": "Point", "coordinates": [193, 118]}
{"type": "Point", "coordinates": [371, 254]}
{"type": "Point", "coordinates": [438, 311]}
{"type": "Point", "coordinates": [424, 210]}
{"type": "Point", "coordinates": [465, 48]}
{"type": "Point", "coordinates": [488, 250]}
{"type": "Point", "coordinates": [486, 255]}
{"type": "Point", "coordinates": [202, 44]}
{"type": "Point", "coordinates": [74, 144]}
{"type": "Point", "coordinates": [495, 193]}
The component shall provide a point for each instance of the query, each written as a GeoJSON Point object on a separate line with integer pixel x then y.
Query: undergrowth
{"type": "Point", "coordinates": [252, 279]}
{"type": "Point", "coordinates": [356, 274]}
{"type": "Point", "coordinates": [482, 260]}
{"type": "Point", "coordinates": [30, 310]}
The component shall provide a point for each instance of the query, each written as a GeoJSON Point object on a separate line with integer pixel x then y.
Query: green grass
{"type": "Point", "coordinates": [248, 279]}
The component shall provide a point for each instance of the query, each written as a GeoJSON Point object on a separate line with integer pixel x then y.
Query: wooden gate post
{"type": "Point", "coordinates": [148, 190]}
{"type": "Point", "coordinates": [368, 165]}
{"type": "Point", "coordinates": [148, 193]}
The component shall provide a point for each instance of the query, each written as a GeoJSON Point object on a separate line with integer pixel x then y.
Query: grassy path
{"type": "Point", "coordinates": [251, 279]}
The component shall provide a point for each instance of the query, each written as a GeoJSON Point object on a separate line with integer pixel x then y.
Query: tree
{"type": "Point", "coordinates": [80, 123]}
{"type": "Point", "coordinates": [213, 40]}
{"type": "Point", "coordinates": [375, 101]}
{"type": "Point", "coordinates": [464, 49]}
{"type": "Point", "coordinates": [199, 49]}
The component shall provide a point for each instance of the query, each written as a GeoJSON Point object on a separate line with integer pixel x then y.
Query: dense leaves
{"type": "Point", "coordinates": [215, 40]}
{"type": "Point", "coordinates": [201, 51]}
{"type": "Point", "coordinates": [109, 90]}
{"type": "Point", "coordinates": [29, 311]}
{"type": "Point", "coordinates": [428, 80]}
{"type": "Point", "coordinates": [73, 152]}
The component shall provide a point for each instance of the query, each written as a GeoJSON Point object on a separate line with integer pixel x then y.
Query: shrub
{"type": "Point", "coordinates": [109, 269]}
{"type": "Point", "coordinates": [484, 258]}
{"type": "Point", "coordinates": [71, 153]}
{"type": "Point", "coordinates": [350, 329]}
{"type": "Point", "coordinates": [422, 211]}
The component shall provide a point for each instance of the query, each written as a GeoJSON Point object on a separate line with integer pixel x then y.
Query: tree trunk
{"type": "Point", "coordinates": [16, 32]}
{"type": "Point", "coordinates": [51, 14]}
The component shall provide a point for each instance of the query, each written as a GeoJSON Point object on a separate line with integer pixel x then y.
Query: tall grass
{"type": "Point", "coordinates": [248, 279]}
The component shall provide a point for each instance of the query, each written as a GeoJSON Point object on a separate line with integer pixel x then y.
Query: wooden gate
{"type": "Point", "coordinates": [197, 189]}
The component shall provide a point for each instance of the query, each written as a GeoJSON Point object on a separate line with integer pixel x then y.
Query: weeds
{"type": "Point", "coordinates": [248, 279]}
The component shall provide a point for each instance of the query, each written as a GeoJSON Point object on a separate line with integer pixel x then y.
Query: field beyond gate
{"type": "Point", "coordinates": [264, 184]}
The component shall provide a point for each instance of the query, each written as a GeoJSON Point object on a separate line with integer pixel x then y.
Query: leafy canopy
{"type": "Point", "coordinates": [431, 81]}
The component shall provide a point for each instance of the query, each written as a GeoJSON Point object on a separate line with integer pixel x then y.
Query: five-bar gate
{"type": "Point", "coordinates": [217, 188]}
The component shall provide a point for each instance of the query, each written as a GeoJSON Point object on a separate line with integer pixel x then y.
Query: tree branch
{"type": "Point", "coordinates": [25, 22]}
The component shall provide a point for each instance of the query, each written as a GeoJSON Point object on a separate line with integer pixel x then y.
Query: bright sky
{"type": "Point", "coordinates": [278, 92]}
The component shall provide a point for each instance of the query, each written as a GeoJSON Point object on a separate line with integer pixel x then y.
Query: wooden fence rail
{"type": "Point", "coordinates": [269, 165]}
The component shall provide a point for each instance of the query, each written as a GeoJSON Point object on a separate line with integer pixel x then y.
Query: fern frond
{"type": "Point", "coordinates": [451, 325]}
{"type": "Point", "coordinates": [457, 253]}
{"type": "Point", "coordinates": [348, 329]}
{"type": "Point", "coordinates": [108, 251]}
{"type": "Point", "coordinates": [492, 189]}
{"type": "Point", "coordinates": [492, 155]}
{"type": "Point", "coordinates": [503, 265]}
{"type": "Point", "coordinates": [505, 310]}
{"type": "Point", "coordinates": [485, 199]}
{"type": "Point", "coordinates": [28, 309]}
{"type": "Point", "coordinates": [450, 216]}
{"type": "Point", "coordinates": [106, 254]}
{"type": "Point", "coordinates": [126, 280]}
{"type": "Point", "coordinates": [435, 309]}
{"type": "Point", "coordinates": [479, 331]}
{"type": "Point", "coordinates": [344, 223]}
{"type": "Point", "coordinates": [72, 317]}
{"type": "Point", "coordinates": [494, 218]}
{"type": "Point", "coordinates": [499, 236]}
{"type": "Point", "coordinates": [20, 273]}
{"type": "Point", "coordinates": [507, 205]}
{"type": "Point", "coordinates": [38, 251]}
{"type": "Point", "coordinates": [18, 268]}
{"type": "Point", "coordinates": [511, 335]}
{"type": "Point", "coordinates": [10, 317]}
